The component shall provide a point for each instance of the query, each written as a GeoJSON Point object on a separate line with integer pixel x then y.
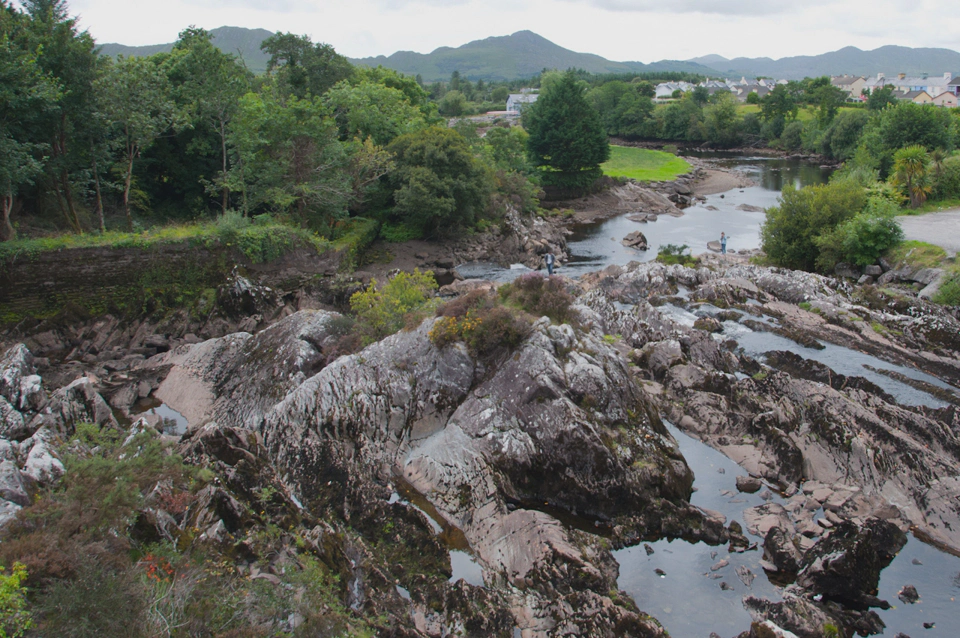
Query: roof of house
{"type": "Point", "coordinates": [955, 81]}
{"type": "Point", "coordinates": [911, 95]}
{"type": "Point", "coordinates": [846, 80]}
{"type": "Point", "coordinates": [523, 98]}
{"type": "Point", "coordinates": [947, 93]}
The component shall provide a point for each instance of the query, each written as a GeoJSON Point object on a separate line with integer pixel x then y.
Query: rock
{"type": "Point", "coordinates": [12, 487]}
{"type": "Point", "coordinates": [873, 271]}
{"type": "Point", "coordinates": [725, 586]}
{"type": "Point", "coordinates": [662, 356]}
{"type": "Point", "coordinates": [908, 594]}
{"type": "Point", "coordinates": [759, 520]}
{"type": "Point", "coordinates": [782, 553]}
{"type": "Point", "coordinates": [925, 276]}
{"type": "Point", "coordinates": [846, 565]}
{"type": "Point", "coordinates": [635, 240]}
{"type": "Point", "coordinates": [750, 208]}
{"type": "Point", "coordinates": [746, 576]}
{"type": "Point", "coordinates": [749, 484]}
{"type": "Point", "coordinates": [793, 614]}
{"type": "Point", "coordinates": [708, 324]}
{"type": "Point", "coordinates": [847, 271]}
{"type": "Point", "coordinates": [714, 246]}
{"type": "Point", "coordinates": [719, 565]}
{"type": "Point", "coordinates": [12, 425]}
{"type": "Point", "coordinates": [42, 464]}
{"type": "Point", "coordinates": [865, 280]}
{"type": "Point", "coordinates": [8, 512]}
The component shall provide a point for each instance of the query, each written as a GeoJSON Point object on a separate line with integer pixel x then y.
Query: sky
{"type": "Point", "coordinates": [620, 30]}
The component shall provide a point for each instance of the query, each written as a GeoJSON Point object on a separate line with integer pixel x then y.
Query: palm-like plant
{"type": "Point", "coordinates": [911, 172]}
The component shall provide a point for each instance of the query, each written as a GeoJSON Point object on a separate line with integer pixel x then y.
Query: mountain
{"type": "Point", "coordinates": [850, 60]}
{"type": "Point", "coordinates": [524, 54]}
{"type": "Point", "coordinates": [521, 55]}
{"type": "Point", "coordinates": [244, 43]}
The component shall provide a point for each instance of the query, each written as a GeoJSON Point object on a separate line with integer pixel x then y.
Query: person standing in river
{"type": "Point", "coordinates": [549, 260]}
{"type": "Point", "coordinates": [723, 243]}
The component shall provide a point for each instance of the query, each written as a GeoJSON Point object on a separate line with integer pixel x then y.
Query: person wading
{"type": "Point", "coordinates": [723, 244]}
{"type": "Point", "coordinates": [549, 260]}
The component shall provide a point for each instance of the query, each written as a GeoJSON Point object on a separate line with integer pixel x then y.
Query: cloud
{"type": "Point", "coordinates": [273, 6]}
{"type": "Point", "coordinates": [720, 7]}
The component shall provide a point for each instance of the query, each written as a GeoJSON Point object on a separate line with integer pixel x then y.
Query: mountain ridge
{"type": "Point", "coordinates": [524, 54]}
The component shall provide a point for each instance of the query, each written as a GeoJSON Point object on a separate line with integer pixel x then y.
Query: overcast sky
{"type": "Point", "coordinates": [621, 30]}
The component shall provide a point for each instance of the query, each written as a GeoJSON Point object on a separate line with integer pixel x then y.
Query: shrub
{"type": "Point", "coordinates": [481, 323]}
{"type": "Point", "coordinates": [863, 239]}
{"type": "Point", "coordinates": [540, 296]}
{"type": "Point", "coordinates": [790, 229]}
{"type": "Point", "coordinates": [15, 620]}
{"type": "Point", "coordinates": [382, 309]}
{"type": "Point", "coordinates": [673, 254]}
{"type": "Point", "coordinates": [946, 183]}
{"type": "Point", "coordinates": [229, 225]}
{"type": "Point", "coordinates": [949, 293]}
{"type": "Point", "coordinates": [399, 232]}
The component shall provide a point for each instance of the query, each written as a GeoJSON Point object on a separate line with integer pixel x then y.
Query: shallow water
{"type": "Point", "coordinates": [173, 422]}
{"type": "Point", "coordinates": [690, 603]}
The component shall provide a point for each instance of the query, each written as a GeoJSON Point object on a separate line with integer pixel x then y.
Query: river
{"type": "Point", "coordinates": [685, 595]}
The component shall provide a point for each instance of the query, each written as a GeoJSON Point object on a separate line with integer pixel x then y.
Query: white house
{"type": "Point", "coordinates": [516, 101]}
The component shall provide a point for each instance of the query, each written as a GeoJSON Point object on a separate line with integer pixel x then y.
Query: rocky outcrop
{"type": "Point", "coordinates": [560, 423]}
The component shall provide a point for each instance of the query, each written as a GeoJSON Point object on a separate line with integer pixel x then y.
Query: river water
{"type": "Point", "coordinates": [685, 594]}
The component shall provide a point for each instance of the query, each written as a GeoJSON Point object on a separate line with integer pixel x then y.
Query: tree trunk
{"type": "Point", "coordinates": [223, 174]}
{"type": "Point", "coordinates": [126, 190]}
{"type": "Point", "coordinates": [68, 195]}
{"type": "Point", "coordinates": [7, 232]}
{"type": "Point", "coordinates": [96, 186]}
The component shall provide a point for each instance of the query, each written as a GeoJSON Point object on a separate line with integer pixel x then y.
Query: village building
{"type": "Point", "coordinates": [517, 101]}
{"type": "Point", "coordinates": [945, 99]}
{"type": "Point", "coordinates": [853, 85]}
{"type": "Point", "coordinates": [917, 97]}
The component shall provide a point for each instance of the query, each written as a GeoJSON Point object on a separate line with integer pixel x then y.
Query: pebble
{"type": "Point", "coordinates": [647, 549]}
{"type": "Point", "coordinates": [720, 565]}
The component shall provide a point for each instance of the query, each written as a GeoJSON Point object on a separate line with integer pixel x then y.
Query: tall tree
{"type": "Point", "coordinates": [68, 56]}
{"type": "Point", "coordinates": [210, 84]}
{"type": "Point", "coordinates": [26, 96]}
{"type": "Point", "coordinates": [566, 135]}
{"type": "Point", "coordinates": [303, 68]}
{"type": "Point", "coordinates": [136, 100]}
{"type": "Point", "coordinates": [911, 172]}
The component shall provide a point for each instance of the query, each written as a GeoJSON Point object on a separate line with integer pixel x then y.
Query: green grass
{"type": "Point", "coordinates": [917, 254]}
{"type": "Point", "coordinates": [643, 165]}
{"type": "Point", "coordinates": [259, 242]}
{"type": "Point", "coordinates": [931, 206]}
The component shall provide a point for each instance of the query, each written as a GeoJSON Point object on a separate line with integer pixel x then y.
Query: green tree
{"type": "Point", "coordinates": [15, 620]}
{"type": "Point", "coordinates": [453, 104]}
{"type": "Point", "coordinates": [880, 98]}
{"type": "Point", "coordinates": [863, 239]}
{"type": "Point", "coordinates": [210, 84]}
{"type": "Point", "coordinates": [68, 57]}
{"type": "Point", "coordinates": [303, 68]}
{"type": "Point", "coordinates": [721, 121]}
{"type": "Point", "coordinates": [507, 148]}
{"type": "Point", "coordinates": [136, 100]}
{"type": "Point", "coordinates": [440, 185]}
{"type": "Point", "coordinates": [382, 309]}
{"type": "Point", "coordinates": [778, 108]}
{"type": "Point", "coordinates": [372, 110]}
{"type": "Point", "coordinates": [842, 137]}
{"type": "Point", "coordinates": [907, 124]}
{"type": "Point", "coordinates": [911, 172]}
{"type": "Point", "coordinates": [26, 97]}
{"type": "Point", "coordinates": [566, 135]}
{"type": "Point", "coordinates": [289, 160]}
{"type": "Point", "coordinates": [828, 99]}
{"type": "Point", "coordinates": [789, 233]}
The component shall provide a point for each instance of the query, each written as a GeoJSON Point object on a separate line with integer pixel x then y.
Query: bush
{"type": "Point", "coordinates": [480, 322]}
{"type": "Point", "coordinates": [863, 239]}
{"type": "Point", "coordinates": [540, 296]}
{"type": "Point", "coordinates": [15, 620]}
{"type": "Point", "coordinates": [789, 232]}
{"type": "Point", "coordinates": [673, 254]}
{"type": "Point", "coordinates": [399, 232]}
{"type": "Point", "coordinates": [949, 293]}
{"type": "Point", "coordinates": [792, 137]}
{"type": "Point", "coordinates": [946, 184]}
{"type": "Point", "coordinates": [382, 309]}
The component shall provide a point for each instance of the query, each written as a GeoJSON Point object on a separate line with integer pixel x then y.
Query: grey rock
{"type": "Point", "coordinates": [12, 424]}
{"type": "Point", "coordinates": [749, 484]}
{"type": "Point", "coordinates": [12, 487]}
{"type": "Point", "coordinates": [865, 280]}
{"type": "Point", "coordinates": [909, 595]}
{"type": "Point", "coordinates": [42, 464]}
{"type": "Point", "coordinates": [847, 271]}
{"type": "Point", "coordinates": [926, 276]}
{"type": "Point", "coordinates": [636, 240]}
{"type": "Point", "coordinates": [873, 270]}
{"type": "Point", "coordinates": [8, 512]}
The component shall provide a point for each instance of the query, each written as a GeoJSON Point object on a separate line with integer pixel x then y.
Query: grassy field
{"type": "Point", "coordinates": [643, 165]}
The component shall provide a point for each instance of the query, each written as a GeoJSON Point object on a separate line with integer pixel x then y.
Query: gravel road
{"type": "Point", "coordinates": [940, 229]}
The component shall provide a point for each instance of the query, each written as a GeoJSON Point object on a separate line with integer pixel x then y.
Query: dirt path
{"type": "Point", "coordinates": [941, 229]}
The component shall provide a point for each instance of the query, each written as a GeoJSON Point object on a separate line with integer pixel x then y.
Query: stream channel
{"type": "Point", "coordinates": [675, 582]}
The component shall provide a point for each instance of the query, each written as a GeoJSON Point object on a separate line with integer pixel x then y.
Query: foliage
{"type": "Point", "coordinates": [566, 135]}
{"type": "Point", "coordinates": [841, 138]}
{"type": "Point", "coordinates": [478, 320]}
{"type": "Point", "coordinates": [911, 173]}
{"type": "Point", "coordinates": [382, 309]}
{"type": "Point", "coordinates": [643, 164]}
{"type": "Point", "coordinates": [399, 232]}
{"type": "Point", "coordinates": [949, 293]}
{"type": "Point", "coordinates": [916, 254]}
{"type": "Point", "coordinates": [671, 254]}
{"type": "Point", "coordinates": [304, 69]}
{"type": "Point", "coordinates": [721, 122]}
{"type": "Point", "coordinates": [907, 124]}
{"type": "Point", "coordinates": [370, 110]}
{"type": "Point", "coordinates": [15, 620]}
{"type": "Point", "coordinates": [946, 184]}
{"type": "Point", "coordinates": [880, 98]}
{"type": "Point", "coordinates": [862, 239]}
{"type": "Point", "coordinates": [540, 296]}
{"type": "Point", "coordinates": [789, 232]}
{"type": "Point", "coordinates": [440, 186]}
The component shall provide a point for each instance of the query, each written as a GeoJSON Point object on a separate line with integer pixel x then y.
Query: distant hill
{"type": "Point", "coordinates": [243, 43]}
{"type": "Point", "coordinates": [851, 60]}
{"type": "Point", "coordinates": [521, 55]}
{"type": "Point", "coordinates": [524, 54]}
